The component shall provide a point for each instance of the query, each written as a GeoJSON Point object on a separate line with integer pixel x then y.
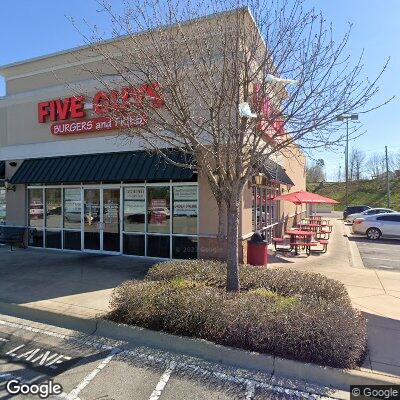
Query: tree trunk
{"type": "Point", "coordinates": [221, 220]}
{"type": "Point", "coordinates": [232, 279]}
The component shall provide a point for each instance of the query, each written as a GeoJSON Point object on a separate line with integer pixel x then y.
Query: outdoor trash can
{"type": "Point", "coordinates": [257, 252]}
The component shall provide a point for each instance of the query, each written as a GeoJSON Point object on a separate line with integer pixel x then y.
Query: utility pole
{"type": "Point", "coordinates": [387, 177]}
{"type": "Point", "coordinates": [341, 118]}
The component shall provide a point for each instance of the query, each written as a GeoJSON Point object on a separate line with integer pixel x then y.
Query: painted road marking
{"type": "Point", "coordinates": [73, 395]}
{"type": "Point", "coordinates": [162, 382]}
{"type": "Point", "coordinates": [185, 365]}
{"type": "Point", "coordinates": [380, 259]}
{"type": "Point", "coordinates": [37, 356]}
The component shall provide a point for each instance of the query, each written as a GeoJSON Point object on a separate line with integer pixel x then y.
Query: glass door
{"type": "Point", "coordinates": [91, 219]}
{"type": "Point", "coordinates": [111, 219]}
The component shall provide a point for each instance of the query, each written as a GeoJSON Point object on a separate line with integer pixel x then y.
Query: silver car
{"type": "Point", "coordinates": [375, 226]}
{"type": "Point", "coordinates": [371, 211]}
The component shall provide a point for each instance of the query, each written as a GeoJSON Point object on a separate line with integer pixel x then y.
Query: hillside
{"type": "Point", "coordinates": [371, 192]}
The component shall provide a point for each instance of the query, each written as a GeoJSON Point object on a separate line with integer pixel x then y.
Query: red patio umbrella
{"type": "Point", "coordinates": [303, 197]}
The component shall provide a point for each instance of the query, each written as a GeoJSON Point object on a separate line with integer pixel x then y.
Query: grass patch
{"type": "Point", "coordinates": [302, 316]}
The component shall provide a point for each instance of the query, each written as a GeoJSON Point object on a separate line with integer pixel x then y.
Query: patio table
{"type": "Point", "coordinates": [301, 238]}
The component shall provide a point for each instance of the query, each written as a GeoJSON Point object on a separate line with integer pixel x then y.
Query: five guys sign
{"type": "Point", "coordinates": [127, 102]}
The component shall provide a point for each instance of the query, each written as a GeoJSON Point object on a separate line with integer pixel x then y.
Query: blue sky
{"type": "Point", "coordinates": [33, 28]}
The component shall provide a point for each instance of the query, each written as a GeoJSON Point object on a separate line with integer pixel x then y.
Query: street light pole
{"type": "Point", "coordinates": [341, 118]}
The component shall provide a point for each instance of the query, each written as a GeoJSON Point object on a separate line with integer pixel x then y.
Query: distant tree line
{"type": "Point", "coordinates": [373, 166]}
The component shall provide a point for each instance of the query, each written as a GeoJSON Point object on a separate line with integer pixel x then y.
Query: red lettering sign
{"type": "Point", "coordinates": [70, 107]}
{"type": "Point", "coordinates": [126, 101]}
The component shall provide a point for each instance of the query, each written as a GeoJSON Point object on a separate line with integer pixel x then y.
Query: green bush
{"type": "Point", "coordinates": [308, 286]}
{"type": "Point", "coordinates": [324, 332]}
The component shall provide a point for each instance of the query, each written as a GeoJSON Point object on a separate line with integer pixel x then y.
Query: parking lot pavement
{"type": "Point", "coordinates": [382, 254]}
{"type": "Point", "coordinates": [90, 367]}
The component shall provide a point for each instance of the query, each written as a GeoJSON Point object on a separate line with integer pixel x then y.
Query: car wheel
{"type": "Point", "coordinates": [373, 233]}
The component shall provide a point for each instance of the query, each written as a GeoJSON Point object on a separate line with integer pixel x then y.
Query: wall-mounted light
{"type": "Point", "coordinates": [12, 164]}
{"type": "Point", "coordinates": [258, 179]}
{"type": "Point", "coordinates": [9, 187]}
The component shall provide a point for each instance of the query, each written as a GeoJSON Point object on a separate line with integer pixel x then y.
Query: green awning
{"type": "Point", "coordinates": [137, 166]}
{"type": "Point", "coordinates": [2, 169]}
{"type": "Point", "coordinates": [275, 172]}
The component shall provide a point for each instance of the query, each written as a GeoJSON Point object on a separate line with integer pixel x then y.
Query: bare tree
{"type": "Point", "coordinates": [376, 165]}
{"type": "Point", "coordinates": [316, 172]}
{"type": "Point", "coordinates": [356, 163]}
{"type": "Point", "coordinates": [200, 71]}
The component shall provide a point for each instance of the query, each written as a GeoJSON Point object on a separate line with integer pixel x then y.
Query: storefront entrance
{"type": "Point", "coordinates": [101, 219]}
{"type": "Point", "coordinates": [144, 219]}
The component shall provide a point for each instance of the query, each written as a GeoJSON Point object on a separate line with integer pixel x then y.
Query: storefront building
{"type": "Point", "coordinates": [68, 177]}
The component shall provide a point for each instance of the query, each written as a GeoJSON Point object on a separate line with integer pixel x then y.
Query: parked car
{"type": "Point", "coordinates": [371, 211]}
{"type": "Point", "coordinates": [375, 226]}
{"type": "Point", "coordinates": [353, 210]}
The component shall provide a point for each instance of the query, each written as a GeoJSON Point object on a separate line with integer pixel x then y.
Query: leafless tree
{"type": "Point", "coordinates": [356, 163]}
{"type": "Point", "coordinates": [376, 165]}
{"type": "Point", "coordinates": [205, 68]}
{"type": "Point", "coordinates": [315, 172]}
{"type": "Point", "coordinates": [394, 161]}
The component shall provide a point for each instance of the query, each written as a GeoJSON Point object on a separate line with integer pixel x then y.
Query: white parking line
{"type": "Point", "coordinates": [162, 382]}
{"type": "Point", "coordinates": [189, 366]}
{"type": "Point", "coordinates": [380, 259]}
{"type": "Point", "coordinates": [73, 395]}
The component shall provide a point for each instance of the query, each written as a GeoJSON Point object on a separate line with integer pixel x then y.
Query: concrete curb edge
{"type": "Point", "coordinates": [279, 367]}
{"type": "Point", "coordinates": [355, 256]}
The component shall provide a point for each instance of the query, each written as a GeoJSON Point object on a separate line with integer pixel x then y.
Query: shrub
{"type": "Point", "coordinates": [324, 332]}
{"type": "Point", "coordinates": [308, 286]}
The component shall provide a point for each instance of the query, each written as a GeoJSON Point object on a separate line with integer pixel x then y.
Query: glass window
{"type": "Point", "coordinates": [134, 209]}
{"type": "Point", "coordinates": [185, 210]}
{"type": "Point", "coordinates": [111, 227]}
{"type": "Point", "coordinates": [72, 240]}
{"type": "Point", "coordinates": [158, 246]}
{"type": "Point", "coordinates": [36, 207]}
{"type": "Point", "coordinates": [35, 238]}
{"type": "Point", "coordinates": [72, 208]}
{"type": "Point", "coordinates": [53, 239]}
{"type": "Point", "coordinates": [53, 208]}
{"type": "Point", "coordinates": [184, 247]}
{"type": "Point", "coordinates": [134, 244]}
{"type": "Point", "coordinates": [158, 209]}
{"type": "Point", "coordinates": [2, 206]}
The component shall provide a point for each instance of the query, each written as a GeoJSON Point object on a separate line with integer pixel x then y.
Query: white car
{"type": "Point", "coordinates": [375, 226]}
{"type": "Point", "coordinates": [372, 211]}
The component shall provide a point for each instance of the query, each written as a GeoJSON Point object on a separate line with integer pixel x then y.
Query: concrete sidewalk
{"type": "Point", "coordinates": [374, 291]}
{"type": "Point", "coordinates": [69, 283]}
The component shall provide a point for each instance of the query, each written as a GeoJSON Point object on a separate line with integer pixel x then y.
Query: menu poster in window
{"type": "Point", "coordinates": [135, 194]}
{"type": "Point", "coordinates": [134, 200]}
{"type": "Point", "coordinates": [185, 200]}
{"type": "Point", "coordinates": [158, 203]}
{"type": "Point", "coordinates": [182, 193]}
{"type": "Point", "coordinates": [72, 202]}
{"type": "Point", "coordinates": [185, 208]}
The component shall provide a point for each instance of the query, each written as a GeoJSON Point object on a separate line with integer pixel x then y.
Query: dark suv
{"type": "Point", "coordinates": [354, 209]}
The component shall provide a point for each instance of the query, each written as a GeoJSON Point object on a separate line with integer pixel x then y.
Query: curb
{"type": "Point", "coordinates": [278, 367]}
{"type": "Point", "coordinates": [355, 256]}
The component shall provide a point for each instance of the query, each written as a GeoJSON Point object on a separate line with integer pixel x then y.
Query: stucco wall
{"type": "Point", "coordinates": [294, 164]}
